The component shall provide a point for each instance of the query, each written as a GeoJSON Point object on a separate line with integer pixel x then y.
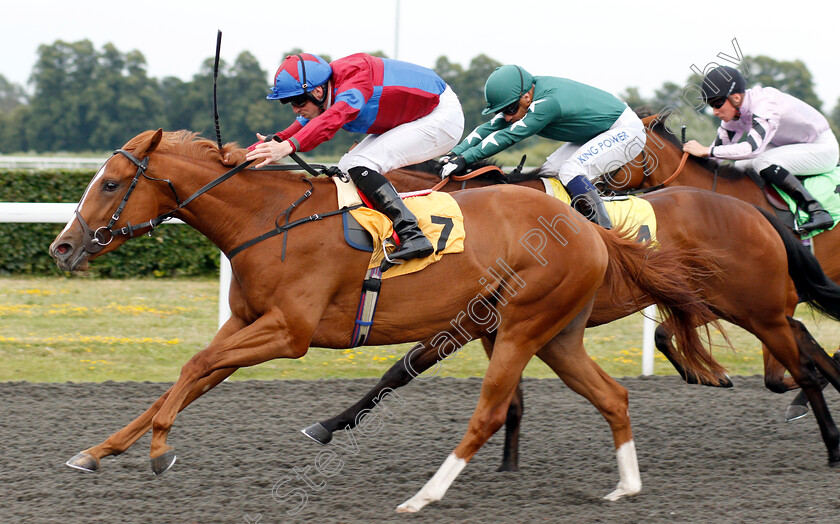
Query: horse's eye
{"type": "Point", "coordinates": [110, 186]}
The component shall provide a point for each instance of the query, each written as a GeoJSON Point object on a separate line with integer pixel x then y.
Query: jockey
{"type": "Point", "coordinates": [597, 127]}
{"type": "Point", "coordinates": [408, 112]}
{"type": "Point", "coordinates": [784, 137]}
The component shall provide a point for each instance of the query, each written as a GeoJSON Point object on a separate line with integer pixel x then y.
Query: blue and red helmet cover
{"type": "Point", "coordinates": [292, 76]}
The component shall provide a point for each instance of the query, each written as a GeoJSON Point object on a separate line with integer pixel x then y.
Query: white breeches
{"type": "Point", "coordinates": [605, 153]}
{"type": "Point", "coordinates": [813, 158]}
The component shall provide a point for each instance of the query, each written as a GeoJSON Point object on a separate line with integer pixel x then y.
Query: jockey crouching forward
{"type": "Point", "coordinates": [408, 112]}
{"type": "Point", "coordinates": [783, 137]}
{"type": "Point", "coordinates": [601, 132]}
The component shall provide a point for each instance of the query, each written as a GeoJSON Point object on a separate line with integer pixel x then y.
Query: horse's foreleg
{"type": "Point", "coordinates": [265, 339]}
{"type": "Point", "coordinates": [829, 366]}
{"type": "Point", "coordinates": [793, 346]}
{"type": "Point", "coordinates": [578, 371]}
{"type": "Point", "coordinates": [798, 407]}
{"type": "Point", "coordinates": [89, 459]}
{"type": "Point", "coordinates": [418, 359]}
{"type": "Point", "coordinates": [663, 341]}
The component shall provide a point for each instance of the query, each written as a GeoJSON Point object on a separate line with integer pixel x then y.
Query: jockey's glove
{"type": "Point", "coordinates": [452, 165]}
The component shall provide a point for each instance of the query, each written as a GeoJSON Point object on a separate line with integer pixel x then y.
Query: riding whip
{"type": "Point", "coordinates": [215, 77]}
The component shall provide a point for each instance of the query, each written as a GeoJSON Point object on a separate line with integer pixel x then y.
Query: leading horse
{"type": "Point", "coordinates": [301, 288]}
{"type": "Point", "coordinates": [761, 272]}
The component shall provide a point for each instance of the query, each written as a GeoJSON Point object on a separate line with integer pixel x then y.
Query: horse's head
{"type": "Point", "coordinates": [121, 194]}
{"type": "Point", "coordinates": [655, 163]}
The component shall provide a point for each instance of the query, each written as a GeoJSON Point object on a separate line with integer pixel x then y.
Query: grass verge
{"type": "Point", "coordinates": [92, 330]}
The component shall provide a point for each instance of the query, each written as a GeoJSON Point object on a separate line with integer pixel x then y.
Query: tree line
{"type": "Point", "coordinates": [85, 99]}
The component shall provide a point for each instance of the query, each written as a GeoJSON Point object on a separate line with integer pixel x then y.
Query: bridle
{"type": "Point", "coordinates": [93, 241]}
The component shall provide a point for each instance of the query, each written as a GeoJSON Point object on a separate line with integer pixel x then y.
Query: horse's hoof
{"type": "Point", "coordinates": [161, 464]}
{"type": "Point", "coordinates": [83, 462]}
{"type": "Point", "coordinates": [725, 382]}
{"type": "Point", "coordinates": [795, 411]}
{"type": "Point", "coordinates": [505, 467]}
{"type": "Point", "coordinates": [318, 433]}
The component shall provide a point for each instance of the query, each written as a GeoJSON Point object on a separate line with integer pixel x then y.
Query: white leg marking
{"type": "Point", "coordinates": [436, 487]}
{"type": "Point", "coordinates": [629, 481]}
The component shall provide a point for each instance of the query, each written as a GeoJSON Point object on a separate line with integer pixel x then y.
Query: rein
{"type": "Point", "coordinates": [93, 241]}
{"type": "Point", "coordinates": [662, 184]}
{"type": "Point", "coordinates": [278, 229]}
{"type": "Point", "coordinates": [468, 176]}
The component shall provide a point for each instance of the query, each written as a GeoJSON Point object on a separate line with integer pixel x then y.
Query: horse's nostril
{"type": "Point", "coordinates": [62, 249]}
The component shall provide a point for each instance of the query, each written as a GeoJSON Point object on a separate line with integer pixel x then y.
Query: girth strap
{"type": "Point", "coordinates": [282, 229]}
{"type": "Point", "coordinates": [367, 306]}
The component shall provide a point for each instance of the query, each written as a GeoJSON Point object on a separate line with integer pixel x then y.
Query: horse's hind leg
{"type": "Point", "coordinates": [506, 365]}
{"type": "Point", "coordinates": [418, 359]}
{"type": "Point", "coordinates": [578, 371]}
{"type": "Point", "coordinates": [513, 420]}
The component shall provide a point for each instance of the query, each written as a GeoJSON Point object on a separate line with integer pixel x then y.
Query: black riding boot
{"type": "Point", "coordinates": [383, 196]}
{"type": "Point", "coordinates": [818, 217]}
{"type": "Point", "coordinates": [584, 195]}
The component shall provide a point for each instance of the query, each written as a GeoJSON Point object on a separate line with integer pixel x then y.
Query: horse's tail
{"type": "Point", "coordinates": [812, 284]}
{"type": "Point", "coordinates": [666, 276]}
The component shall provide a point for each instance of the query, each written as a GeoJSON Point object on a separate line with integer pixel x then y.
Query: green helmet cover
{"type": "Point", "coordinates": [504, 86]}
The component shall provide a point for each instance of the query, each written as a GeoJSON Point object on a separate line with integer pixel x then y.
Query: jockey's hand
{"type": "Point", "coordinates": [453, 165]}
{"type": "Point", "coordinates": [269, 152]}
{"type": "Point", "coordinates": [695, 148]}
{"type": "Point", "coordinates": [258, 142]}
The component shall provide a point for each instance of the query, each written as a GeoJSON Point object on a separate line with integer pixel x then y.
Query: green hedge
{"type": "Point", "coordinates": [172, 251]}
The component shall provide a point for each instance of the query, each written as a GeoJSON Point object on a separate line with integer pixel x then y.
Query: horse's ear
{"type": "Point", "coordinates": [154, 142]}
{"type": "Point", "coordinates": [147, 146]}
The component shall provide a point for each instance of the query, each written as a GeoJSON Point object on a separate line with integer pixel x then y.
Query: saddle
{"type": "Point", "coordinates": [631, 214]}
{"type": "Point", "coordinates": [825, 188]}
{"type": "Point", "coordinates": [366, 229]}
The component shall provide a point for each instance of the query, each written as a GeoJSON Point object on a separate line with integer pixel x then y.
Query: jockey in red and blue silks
{"type": "Point", "coordinates": [783, 137]}
{"type": "Point", "coordinates": [408, 112]}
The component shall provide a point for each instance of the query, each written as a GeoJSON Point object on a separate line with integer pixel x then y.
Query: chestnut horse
{"type": "Point", "coordinates": [301, 288]}
{"type": "Point", "coordinates": [751, 288]}
{"type": "Point", "coordinates": [662, 157]}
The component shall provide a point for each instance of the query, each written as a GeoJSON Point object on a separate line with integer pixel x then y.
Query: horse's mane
{"type": "Point", "coordinates": [185, 143]}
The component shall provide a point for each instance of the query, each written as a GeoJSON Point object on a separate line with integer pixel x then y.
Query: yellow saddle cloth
{"type": "Point", "coordinates": [439, 217]}
{"type": "Point", "coordinates": [631, 214]}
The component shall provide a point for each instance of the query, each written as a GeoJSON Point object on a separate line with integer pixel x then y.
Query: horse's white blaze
{"type": "Point", "coordinates": [436, 487]}
{"type": "Point", "coordinates": [99, 174]}
{"type": "Point", "coordinates": [629, 482]}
